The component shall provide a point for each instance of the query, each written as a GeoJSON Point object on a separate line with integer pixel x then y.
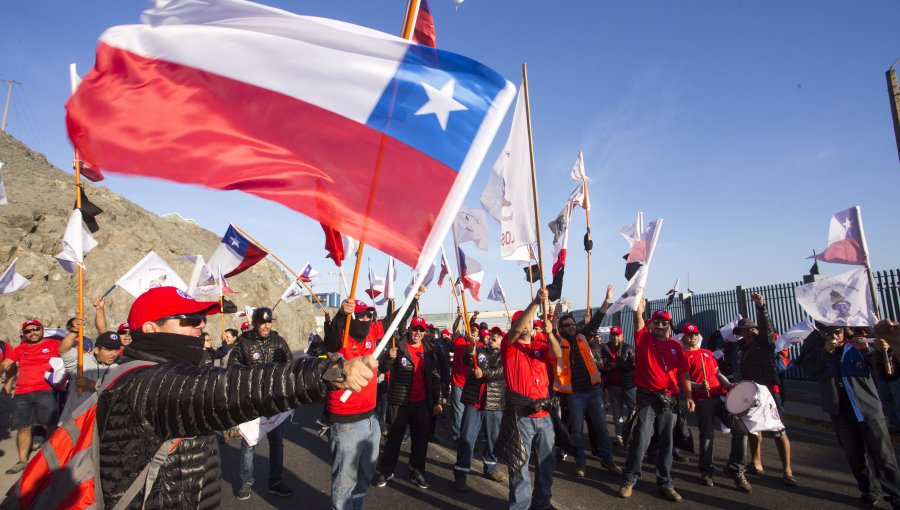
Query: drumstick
{"type": "Point", "coordinates": [703, 369]}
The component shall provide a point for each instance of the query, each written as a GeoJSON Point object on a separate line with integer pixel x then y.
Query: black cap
{"type": "Point", "coordinates": [262, 315]}
{"type": "Point", "coordinates": [108, 341]}
{"type": "Point", "coordinates": [745, 324]}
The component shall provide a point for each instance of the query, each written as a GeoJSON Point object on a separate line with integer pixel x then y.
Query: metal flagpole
{"type": "Point", "coordinates": [80, 272]}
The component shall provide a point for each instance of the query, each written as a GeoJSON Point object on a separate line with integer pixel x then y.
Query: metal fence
{"type": "Point", "coordinates": [713, 310]}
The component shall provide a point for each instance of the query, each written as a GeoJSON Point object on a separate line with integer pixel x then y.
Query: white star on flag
{"type": "Point", "coordinates": [235, 242]}
{"type": "Point", "coordinates": [440, 103]}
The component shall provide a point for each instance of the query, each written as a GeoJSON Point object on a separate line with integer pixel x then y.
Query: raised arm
{"type": "Point", "coordinates": [639, 316]}
{"type": "Point", "coordinates": [100, 317]}
{"type": "Point", "coordinates": [766, 336]}
{"type": "Point", "coordinates": [521, 323]}
{"type": "Point", "coordinates": [68, 341]}
{"type": "Point", "coordinates": [591, 327]}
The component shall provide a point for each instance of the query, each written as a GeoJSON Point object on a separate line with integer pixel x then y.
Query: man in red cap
{"type": "Point", "coordinates": [176, 400]}
{"type": "Point", "coordinates": [414, 395]}
{"type": "Point", "coordinates": [355, 429]}
{"type": "Point", "coordinates": [659, 366]}
{"type": "Point", "coordinates": [618, 369]}
{"type": "Point", "coordinates": [526, 425]}
{"type": "Point", "coordinates": [459, 345]}
{"type": "Point", "coordinates": [34, 402]}
{"type": "Point", "coordinates": [709, 387]}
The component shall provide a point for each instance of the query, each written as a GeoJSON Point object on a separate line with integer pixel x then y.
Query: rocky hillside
{"type": "Point", "coordinates": [31, 228]}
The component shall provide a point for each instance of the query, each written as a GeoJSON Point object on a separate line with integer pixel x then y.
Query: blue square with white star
{"type": "Point", "coordinates": [436, 103]}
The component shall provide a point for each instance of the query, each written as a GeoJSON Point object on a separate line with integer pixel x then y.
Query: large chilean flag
{"type": "Point", "coordinates": [306, 112]}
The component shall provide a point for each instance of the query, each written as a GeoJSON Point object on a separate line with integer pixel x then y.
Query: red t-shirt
{"type": "Point", "coordinates": [657, 363]}
{"type": "Point", "coordinates": [525, 368]}
{"type": "Point", "coordinates": [362, 401]}
{"type": "Point", "coordinates": [418, 384]}
{"type": "Point", "coordinates": [34, 361]}
{"type": "Point", "coordinates": [459, 369]}
{"type": "Point", "coordinates": [615, 376]}
{"type": "Point", "coordinates": [695, 370]}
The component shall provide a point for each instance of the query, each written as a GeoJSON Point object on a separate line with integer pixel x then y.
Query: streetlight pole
{"type": "Point", "coordinates": [894, 96]}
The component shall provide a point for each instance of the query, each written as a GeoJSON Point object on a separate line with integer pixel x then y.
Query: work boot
{"type": "Point", "coordinates": [670, 494]}
{"type": "Point", "coordinates": [611, 467]}
{"type": "Point", "coordinates": [244, 491]}
{"type": "Point", "coordinates": [626, 490]}
{"type": "Point", "coordinates": [495, 476]}
{"type": "Point", "coordinates": [460, 485]}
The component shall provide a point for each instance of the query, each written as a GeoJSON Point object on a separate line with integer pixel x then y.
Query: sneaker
{"type": "Point", "coordinates": [418, 479]}
{"type": "Point", "coordinates": [495, 476]}
{"type": "Point", "coordinates": [626, 490]}
{"type": "Point", "coordinates": [618, 441]}
{"type": "Point", "coordinates": [244, 491]}
{"type": "Point", "coordinates": [670, 494]}
{"type": "Point", "coordinates": [17, 468]}
{"type": "Point", "coordinates": [579, 471]}
{"type": "Point", "coordinates": [740, 481]}
{"type": "Point", "coordinates": [460, 485]}
{"type": "Point", "coordinates": [379, 480]}
{"type": "Point", "coordinates": [611, 467]}
{"type": "Point", "coordinates": [707, 480]}
{"type": "Point", "coordinates": [280, 489]}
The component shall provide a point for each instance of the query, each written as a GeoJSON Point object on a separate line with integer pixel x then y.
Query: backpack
{"type": "Point", "coordinates": [65, 473]}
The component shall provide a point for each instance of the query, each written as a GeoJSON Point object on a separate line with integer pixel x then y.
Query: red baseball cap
{"type": "Point", "coordinates": [32, 322]}
{"type": "Point", "coordinates": [496, 329]}
{"type": "Point", "coordinates": [122, 326]}
{"type": "Point", "coordinates": [615, 330]}
{"type": "Point", "coordinates": [161, 302]}
{"type": "Point", "coordinates": [245, 325]}
{"type": "Point", "coordinates": [662, 314]}
{"type": "Point", "coordinates": [484, 332]}
{"type": "Point", "coordinates": [690, 329]}
{"type": "Point", "coordinates": [537, 323]}
{"type": "Point", "coordinates": [418, 322]}
{"type": "Point", "coordinates": [516, 315]}
{"type": "Point", "coordinates": [361, 307]}
{"type": "Point", "coordinates": [445, 332]}
{"type": "Point", "coordinates": [430, 326]}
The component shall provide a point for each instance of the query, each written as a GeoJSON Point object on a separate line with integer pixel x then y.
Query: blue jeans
{"type": "Point", "coordinates": [537, 436]}
{"type": "Point", "coordinates": [621, 402]}
{"type": "Point", "coordinates": [651, 418]}
{"type": "Point", "coordinates": [276, 457]}
{"type": "Point", "coordinates": [458, 409]}
{"type": "Point", "coordinates": [590, 402]}
{"type": "Point", "coordinates": [354, 453]}
{"type": "Point", "coordinates": [472, 421]}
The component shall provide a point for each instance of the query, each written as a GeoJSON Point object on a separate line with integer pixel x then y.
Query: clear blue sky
{"type": "Point", "coordinates": [744, 124]}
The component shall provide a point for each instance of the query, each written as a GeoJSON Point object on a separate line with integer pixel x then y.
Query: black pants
{"type": "Point", "coordinates": [868, 444]}
{"type": "Point", "coordinates": [418, 417]}
{"type": "Point", "coordinates": [708, 409]}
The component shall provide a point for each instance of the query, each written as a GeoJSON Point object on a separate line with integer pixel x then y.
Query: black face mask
{"type": "Point", "coordinates": [359, 329]}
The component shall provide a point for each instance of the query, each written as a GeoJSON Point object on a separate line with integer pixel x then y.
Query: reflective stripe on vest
{"type": "Point", "coordinates": [563, 382]}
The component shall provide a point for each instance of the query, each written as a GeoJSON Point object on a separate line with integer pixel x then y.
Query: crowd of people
{"type": "Point", "coordinates": [536, 393]}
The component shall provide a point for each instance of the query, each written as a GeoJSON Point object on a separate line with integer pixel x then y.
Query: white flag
{"type": "Point", "coordinates": [579, 197]}
{"type": "Point", "coordinates": [842, 300]}
{"type": "Point", "coordinates": [293, 291]}
{"type": "Point", "coordinates": [76, 243]}
{"type": "Point", "coordinates": [508, 197]}
{"type": "Point", "coordinates": [471, 225]}
{"type": "Point", "coordinates": [254, 430]}
{"type": "Point", "coordinates": [795, 335]}
{"type": "Point", "coordinates": [728, 329]}
{"type": "Point", "coordinates": [578, 169]}
{"type": "Point", "coordinates": [632, 233]}
{"type": "Point", "coordinates": [11, 281]}
{"type": "Point", "coordinates": [389, 282]}
{"type": "Point", "coordinates": [203, 282]}
{"type": "Point", "coordinates": [2, 188]}
{"type": "Point", "coordinates": [496, 293]}
{"type": "Point", "coordinates": [643, 247]}
{"type": "Point", "coordinates": [151, 272]}
{"type": "Point", "coordinates": [633, 295]}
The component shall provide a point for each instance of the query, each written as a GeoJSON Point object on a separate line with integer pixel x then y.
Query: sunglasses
{"type": "Point", "coordinates": [123, 332]}
{"type": "Point", "coordinates": [568, 325]}
{"type": "Point", "coordinates": [191, 320]}
{"type": "Point", "coordinates": [31, 330]}
{"type": "Point", "coordinates": [368, 315]}
{"type": "Point", "coordinates": [417, 329]}
{"type": "Point", "coordinates": [660, 322]}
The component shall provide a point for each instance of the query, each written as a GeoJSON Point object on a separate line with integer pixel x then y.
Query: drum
{"type": "Point", "coordinates": [742, 398]}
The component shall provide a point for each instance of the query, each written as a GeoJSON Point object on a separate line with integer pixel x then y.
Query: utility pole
{"type": "Point", "coordinates": [8, 96]}
{"type": "Point", "coordinates": [894, 96]}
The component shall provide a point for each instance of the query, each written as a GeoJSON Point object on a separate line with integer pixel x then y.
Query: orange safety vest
{"type": "Point", "coordinates": [563, 382]}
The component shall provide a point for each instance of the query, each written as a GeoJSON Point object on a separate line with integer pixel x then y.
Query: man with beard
{"type": "Point", "coordinates": [259, 346]}
{"type": "Point", "coordinates": [659, 364]}
{"type": "Point", "coordinates": [34, 402]}
{"type": "Point", "coordinates": [414, 394]}
{"type": "Point", "coordinates": [355, 430]}
{"type": "Point", "coordinates": [483, 398]}
{"type": "Point", "coordinates": [182, 404]}
{"type": "Point", "coordinates": [709, 386]}
{"type": "Point", "coordinates": [578, 377]}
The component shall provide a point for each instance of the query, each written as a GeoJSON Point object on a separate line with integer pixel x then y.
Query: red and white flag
{"type": "Point", "coordinates": [470, 273]}
{"type": "Point", "coordinates": [424, 32]}
{"type": "Point", "coordinates": [445, 268]}
{"type": "Point", "coordinates": [308, 273]}
{"type": "Point", "coordinates": [89, 172]}
{"type": "Point", "coordinates": [376, 284]}
{"type": "Point", "coordinates": [339, 246]}
{"type": "Point", "coordinates": [846, 239]}
{"type": "Point", "coordinates": [297, 110]}
{"type": "Point", "coordinates": [235, 254]}
{"type": "Point", "coordinates": [390, 282]}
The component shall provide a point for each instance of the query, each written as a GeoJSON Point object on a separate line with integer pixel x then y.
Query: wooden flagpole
{"type": "Point", "coordinates": [80, 273]}
{"type": "Point", "coordinates": [534, 190]}
{"type": "Point", "coordinates": [284, 265]}
{"type": "Point", "coordinates": [587, 236]}
{"type": "Point", "coordinates": [412, 10]}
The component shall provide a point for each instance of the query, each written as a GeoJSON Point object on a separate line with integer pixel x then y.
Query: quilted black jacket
{"type": "Point", "coordinates": [491, 365]}
{"type": "Point", "coordinates": [179, 399]}
{"type": "Point", "coordinates": [625, 364]}
{"type": "Point", "coordinates": [252, 349]}
{"type": "Point", "coordinates": [401, 370]}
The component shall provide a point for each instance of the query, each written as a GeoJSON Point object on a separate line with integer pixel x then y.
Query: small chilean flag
{"type": "Point", "coordinates": [235, 254]}
{"type": "Point", "coordinates": [471, 273]}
